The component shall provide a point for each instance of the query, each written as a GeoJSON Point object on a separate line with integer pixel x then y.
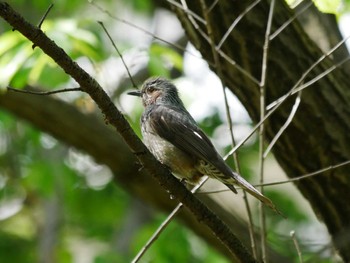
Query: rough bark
{"type": "Point", "coordinates": [319, 134]}
{"type": "Point", "coordinates": [323, 30]}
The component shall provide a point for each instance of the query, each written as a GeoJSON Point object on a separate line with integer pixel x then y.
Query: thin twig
{"type": "Point", "coordinates": [285, 125]}
{"type": "Point", "coordinates": [310, 82]}
{"type": "Point", "coordinates": [305, 176]}
{"type": "Point", "coordinates": [211, 7]}
{"type": "Point", "coordinates": [183, 49]}
{"type": "Point", "coordinates": [119, 53]}
{"type": "Point", "coordinates": [238, 169]}
{"type": "Point", "coordinates": [245, 198]}
{"type": "Point", "coordinates": [235, 22]}
{"type": "Point", "coordinates": [238, 67]}
{"type": "Point", "coordinates": [188, 11]}
{"type": "Point", "coordinates": [165, 223]}
{"type": "Point", "coordinates": [43, 92]}
{"type": "Point", "coordinates": [320, 76]}
{"type": "Point", "coordinates": [194, 22]}
{"type": "Point", "coordinates": [296, 244]}
{"type": "Point", "coordinates": [261, 173]}
{"type": "Point", "coordinates": [218, 68]}
{"type": "Point", "coordinates": [45, 15]}
{"type": "Point", "coordinates": [290, 20]}
{"type": "Point", "coordinates": [298, 83]}
{"type": "Point", "coordinates": [228, 32]}
{"type": "Point", "coordinates": [157, 233]}
{"type": "Point", "coordinates": [272, 107]}
{"type": "Point", "coordinates": [221, 53]}
{"type": "Point", "coordinates": [262, 129]}
{"type": "Point", "coordinates": [295, 179]}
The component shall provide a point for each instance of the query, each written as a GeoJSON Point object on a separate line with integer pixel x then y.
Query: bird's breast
{"type": "Point", "coordinates": [180, 163]}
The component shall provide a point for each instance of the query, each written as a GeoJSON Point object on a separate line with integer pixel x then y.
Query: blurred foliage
{"type": "Point", "coordinates": [41, 182]}
{"type": "Point", "coordinates": [141, 5]}
{"type": "Point", "coordinates": [21, 65]}
{"type": "Point", "coordinates": [328, 6]}
{"type": "Point", "coordinates": [162, 60]}
{"type": "Point", "coordinates": [16, 249]}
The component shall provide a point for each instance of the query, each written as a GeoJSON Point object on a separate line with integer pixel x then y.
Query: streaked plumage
{"type": "Point", "coordinates": [175, 139]}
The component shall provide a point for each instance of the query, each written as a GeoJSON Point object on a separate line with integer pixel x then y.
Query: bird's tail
{"type": "Point", "coordinates": [240, 181]}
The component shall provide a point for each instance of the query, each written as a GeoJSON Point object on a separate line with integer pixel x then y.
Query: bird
{"type": "Point", "coordinates": [175, 139]}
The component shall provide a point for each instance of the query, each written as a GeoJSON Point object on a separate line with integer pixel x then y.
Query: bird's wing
{"type": "Point", "coordinates": [177, 126]}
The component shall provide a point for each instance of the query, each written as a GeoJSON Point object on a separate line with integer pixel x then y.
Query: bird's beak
{"type": "Point", "coordinates": [135, 93]}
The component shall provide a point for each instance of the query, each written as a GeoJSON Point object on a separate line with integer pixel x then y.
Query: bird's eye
{"type": "Point", "coordinates": [151, 89]}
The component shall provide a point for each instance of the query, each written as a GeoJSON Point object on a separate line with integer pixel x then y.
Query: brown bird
{"type": "Point", "coordinates": [175, 139]}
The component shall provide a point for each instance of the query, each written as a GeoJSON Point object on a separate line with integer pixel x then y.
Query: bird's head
{"type": "Point", "coordinates": [158, 91]}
